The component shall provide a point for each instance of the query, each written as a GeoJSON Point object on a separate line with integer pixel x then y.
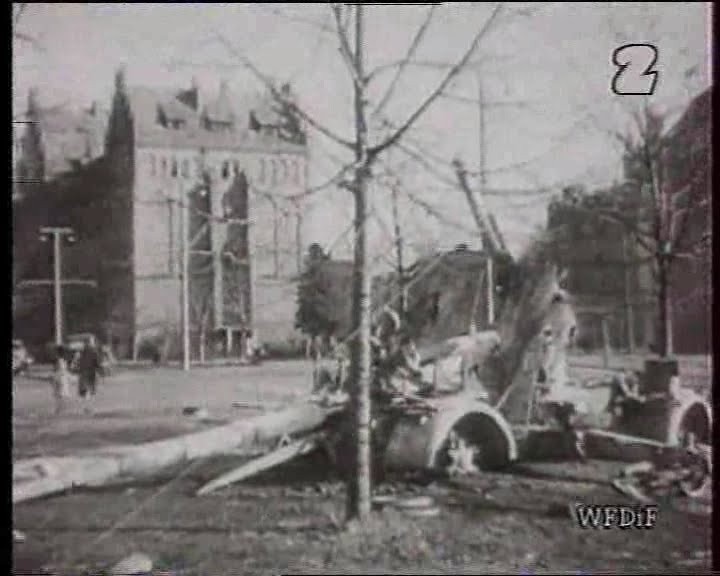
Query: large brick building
{"type": "Point", "coordinates": [226, 171]}
{"type": "Point", "coordinates": [688, 180]}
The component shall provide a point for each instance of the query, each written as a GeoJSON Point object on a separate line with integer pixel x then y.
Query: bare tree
{"type": "Point", "coordinates": [665, 188]}
{"type": "Point", "coordinates": [366, 154]}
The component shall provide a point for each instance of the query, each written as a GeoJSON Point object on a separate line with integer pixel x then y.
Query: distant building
{"type": "Point", "coordinates": [235, 165]}
{"type": "Point", "coordinates": [446, 293]}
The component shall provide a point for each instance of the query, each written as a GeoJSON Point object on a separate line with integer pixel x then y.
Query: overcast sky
{"type": "Point", "coordinates": [545, 74]}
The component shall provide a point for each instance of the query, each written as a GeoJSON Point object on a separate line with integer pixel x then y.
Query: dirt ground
{"type": "Point", "coordinates": [291, 521]}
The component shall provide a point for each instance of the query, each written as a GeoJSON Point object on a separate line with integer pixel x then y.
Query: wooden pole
{"type": "Point", "coordinates": [185, 281]}
{"type": "Point", "coordinates": [606, 341]}
{"type": "Point", "coordinates": [57, 235]}
{"type": "Point", "coordinates": [489, 271]}
{"type": "Point", "coordinates": [57, 275]}
{"type": "Point", "coordinates": [359, 488]}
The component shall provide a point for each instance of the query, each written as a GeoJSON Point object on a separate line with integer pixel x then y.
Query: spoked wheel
{"type": "Point", "coordinates": [463, 456]}
{"type": "Point", "coordinates": [472, 446]}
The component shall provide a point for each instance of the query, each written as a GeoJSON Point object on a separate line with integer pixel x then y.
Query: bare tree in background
{"type": "Point", "coordinates": [659, 204]}
{"type": "Point", "coordinates": [366, 154]}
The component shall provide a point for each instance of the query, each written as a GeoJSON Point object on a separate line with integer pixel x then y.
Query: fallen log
{"type": "Point", "coordinates": [102, 466]}
{"type": "Point", "coordinates": [265, 462]}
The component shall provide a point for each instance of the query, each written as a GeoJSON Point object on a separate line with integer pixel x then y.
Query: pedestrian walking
{"type": "Point", "coordinates": [89, 368]}
{"type": "Point", "coordinates": [61, 380]}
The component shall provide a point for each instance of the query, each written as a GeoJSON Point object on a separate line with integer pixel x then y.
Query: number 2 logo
{"type": "Point", "coordinates": [631, 78]}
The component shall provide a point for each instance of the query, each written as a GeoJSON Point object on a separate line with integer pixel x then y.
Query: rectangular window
{"type": "Point", "coordinates": [153, 165]}
{"type": "Point", "coordinates": [185, 169]}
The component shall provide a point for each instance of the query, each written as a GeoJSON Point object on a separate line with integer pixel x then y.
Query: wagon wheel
{"type": "Point", "coordinates": [472, 446]}
{"type": "Point", "coordinates": [463, 456]}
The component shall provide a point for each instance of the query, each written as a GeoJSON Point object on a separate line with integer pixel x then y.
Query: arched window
{"type": "Point", "coordinates": [236, 167]}
{"type": "Point", "coordinates": [296, 172]}
{"type": "Point", "coordinates": [273, 172]}
{"type": "Point", "coordinates": [164, 166]}
{"type": "Point", "coordinates": [174, 170]}
{"type": "Point", "coordinates": [226, 170]}
{"type": "Point", "coordinates": [185, 170]}
{"type": "Point", "coordinates": [153, 165]}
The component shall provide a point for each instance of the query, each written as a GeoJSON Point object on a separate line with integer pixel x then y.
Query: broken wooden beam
{"type": "Point", "coordinates": [265, 462]}
{"type": "Point", "coordinates": [104, 465]}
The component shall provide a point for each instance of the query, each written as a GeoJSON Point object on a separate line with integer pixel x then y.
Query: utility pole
{"type": "Point", "coordinates": [57, 235]}
{"type": "Point", "coordinates": [359, 486]}
{"type": "Point", "coordinates": [185, 271]}
{"type": "Point", "coordinates": [489, 264]}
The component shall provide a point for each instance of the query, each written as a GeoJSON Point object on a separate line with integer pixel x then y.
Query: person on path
{"type": "Point", "coordinates": [89, 368]}
{"type": "Point", "coordinates": [61, 380]}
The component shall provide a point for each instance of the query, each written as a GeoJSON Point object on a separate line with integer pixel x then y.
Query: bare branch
{"type": "Point", "coordinates": [431, 64]}
{"type": "Point", "coordinates": [279, 97]}
{"type": "Point", "coordinates": [454, 71]}
{"type": "Point", "coordinates": [417, 157]}
{"type": "Point", "coordinates": [475, 101]}
{"type": "Point", "coordinates": [408, 56]}
{"type": "Point", "coordinates": [299, 19]}
{"type": "Point", "coordinates": [345, 50]}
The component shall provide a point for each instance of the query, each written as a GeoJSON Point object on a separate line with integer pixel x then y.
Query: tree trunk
{"type": "Point", "coordinates": [605, 341]}
{"type": "Point", "coordinates": [359, 489]}
{"type": "Point", "coordinates": [665, 336]}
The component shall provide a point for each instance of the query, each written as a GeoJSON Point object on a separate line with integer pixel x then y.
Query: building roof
{"type": "Point", "coordinates": [220, 109]}
{"type": "Point", "coordinates": [148, 105]}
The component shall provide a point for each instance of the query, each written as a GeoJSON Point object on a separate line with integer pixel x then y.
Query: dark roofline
{"type": "Point", "coordinates": [690, 110]}
{"type": "Point", "coordinates": [182, 140]}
